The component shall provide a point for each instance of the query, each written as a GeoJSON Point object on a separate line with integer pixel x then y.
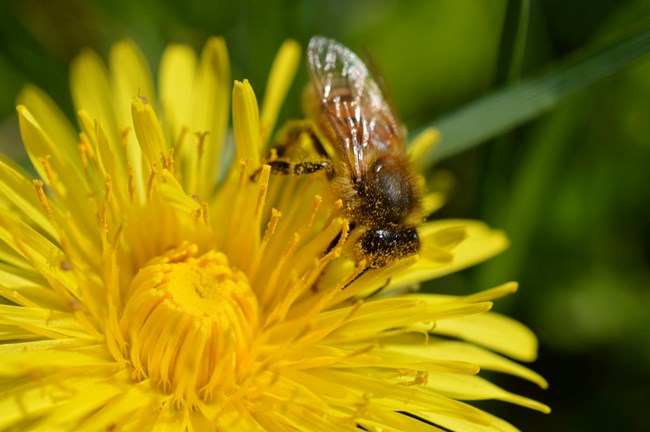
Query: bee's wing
{"type": "Point", "coordinates": [352, 103]}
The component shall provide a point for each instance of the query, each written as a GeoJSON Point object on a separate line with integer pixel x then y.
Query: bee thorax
{"type": "Point", "coordinates": [386, 193]}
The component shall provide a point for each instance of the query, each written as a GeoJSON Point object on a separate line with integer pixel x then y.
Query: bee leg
{"type": "Point", "coordinates": [283, 167]}
{"type": "Point", "coordinates": [278, 167]}
{"type": "Point", "coordinates": [307, 167]}
{"type": "Point", "coordinates": [320, 149]}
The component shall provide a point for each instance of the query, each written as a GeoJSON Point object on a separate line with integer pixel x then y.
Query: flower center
{"type": "Point", "coordinates": [189, 322]}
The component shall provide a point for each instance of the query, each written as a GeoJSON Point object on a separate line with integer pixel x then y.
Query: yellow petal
{"type": "Point", "coordinates": [422, 145]}
{"type": "Point", "coordinates": [40, 146]}
{"type": "Point", "coordinates": [91, 90]}
{"type": "Point", "coordinates": [374, 318]}
{"type": "Point", "coordinates": [457, 351]}
{"type": "Point", "coordinates": [176, 78]}
{"type": "Point", "coordinates": [481, 243]}
{"type": "Point", "coordinates": [148, 130]}
{"type": "Point", "coordinates": [173, 194]}
{"type": "Point", "coordinates": [45, 256]}
{"type": "Point", "coordinates": [18, 194]}
{"type": "Point", "coordinates": [82, 404]}
{"type": "Point", "coordinates": [131, 398]}
{"type": "Point", "coordinates": [52, 120]}
{"type": "Point", "coordinates": [131, 78]}
{"type": "Point", "coordinates": [111, 163]}
{"type": "Point", "coordinates": [246, 124]}
{"type": "Point", "coordinates": [54, 168]}
{"type": "Point", "coordinates": [280, 79]}
{"type": "Point", "coordinates": [24, 289]}
{"type": "Point", "coordinates": [432, 202]}
{"type": "Point", "coordinates": [491, 423]}
{"type": "Point", "coordinates": [494, 331]}
{"type": "Point", "coordinates": [401, 398]}
{"type": "Point", "coordinates": [44, 322]}
{"type": "Point", "coordinates": [470, 387]}
{"type": "Point", "coordinates": [211, 111]}
{"type": "Point", "coordinates": [70, 355]}
{"type": "Point", "coordinates": [28, 401]}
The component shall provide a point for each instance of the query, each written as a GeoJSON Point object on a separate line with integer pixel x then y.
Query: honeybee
{"type": "Point", "coordinates": [370, 170]}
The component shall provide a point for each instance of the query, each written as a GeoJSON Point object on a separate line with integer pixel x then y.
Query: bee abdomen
{"type": "Point", "coordinates": [383, 246]}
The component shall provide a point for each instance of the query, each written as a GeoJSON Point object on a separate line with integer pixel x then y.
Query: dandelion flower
{"type": "Point", "coordinates": [148, 282]}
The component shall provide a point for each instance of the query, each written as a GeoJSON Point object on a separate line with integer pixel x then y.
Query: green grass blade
{"type": "Point", "coordinates": [513, 41]}
{"type": "Point", "coordinates": [507, 108]}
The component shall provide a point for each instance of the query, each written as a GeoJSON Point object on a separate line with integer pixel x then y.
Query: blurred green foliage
{"type": "Point", "coordinates": [571, 188]}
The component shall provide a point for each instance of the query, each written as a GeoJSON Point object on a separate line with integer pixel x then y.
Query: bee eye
{"type": "Point", "coordinates": [383, 246]}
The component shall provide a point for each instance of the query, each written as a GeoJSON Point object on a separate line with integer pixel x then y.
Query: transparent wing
{"type": "Point", "coordinates": [352, 102]}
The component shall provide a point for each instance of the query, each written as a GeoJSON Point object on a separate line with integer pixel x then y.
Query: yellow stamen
{"type": "Point", "coordinates": [84, 147]}
{"type": "Point", "coordinates": [201, 142]}
{"type": "Point", "coordinates": [83, 138]}
{"type": "Point", "coordinates": [268, 233]}
{"type": "Point", "coordinates": [270, 227]}
{"type": "Point", "coordinates": [124, 136]}
{"type": "Point", "coordinates": [263, 187]}
{"type": "Point", "coordinates": [206, 216]}
{"type": "Point", "coordinates": [51, 178]}
{"type": "Point", "coordinates": [106, 205]}
{"type": "Point", "coordinates": [181, 137]}
{"type": "Point", "coordinates": [315, 204]}
{"type": "Point", "coordinates": [243, 166]}
{"type": "Point", "coordinates": [131, 184]}
{"type": "Point", "coordinates": [42, 197]}
{"type": "Point", "coordinates": [151, 182]}
{"type": "Point", "coordinates": [270, 289]}
{"type": "Point", "coordinates": [189, 320]}
{"type": "Point", "coordinates": [167, 159]}
{"type": "Point", "coordinates": [201, 136]}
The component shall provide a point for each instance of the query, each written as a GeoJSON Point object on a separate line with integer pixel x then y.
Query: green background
{"type": "Point", "coordinates": [571, 188]}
